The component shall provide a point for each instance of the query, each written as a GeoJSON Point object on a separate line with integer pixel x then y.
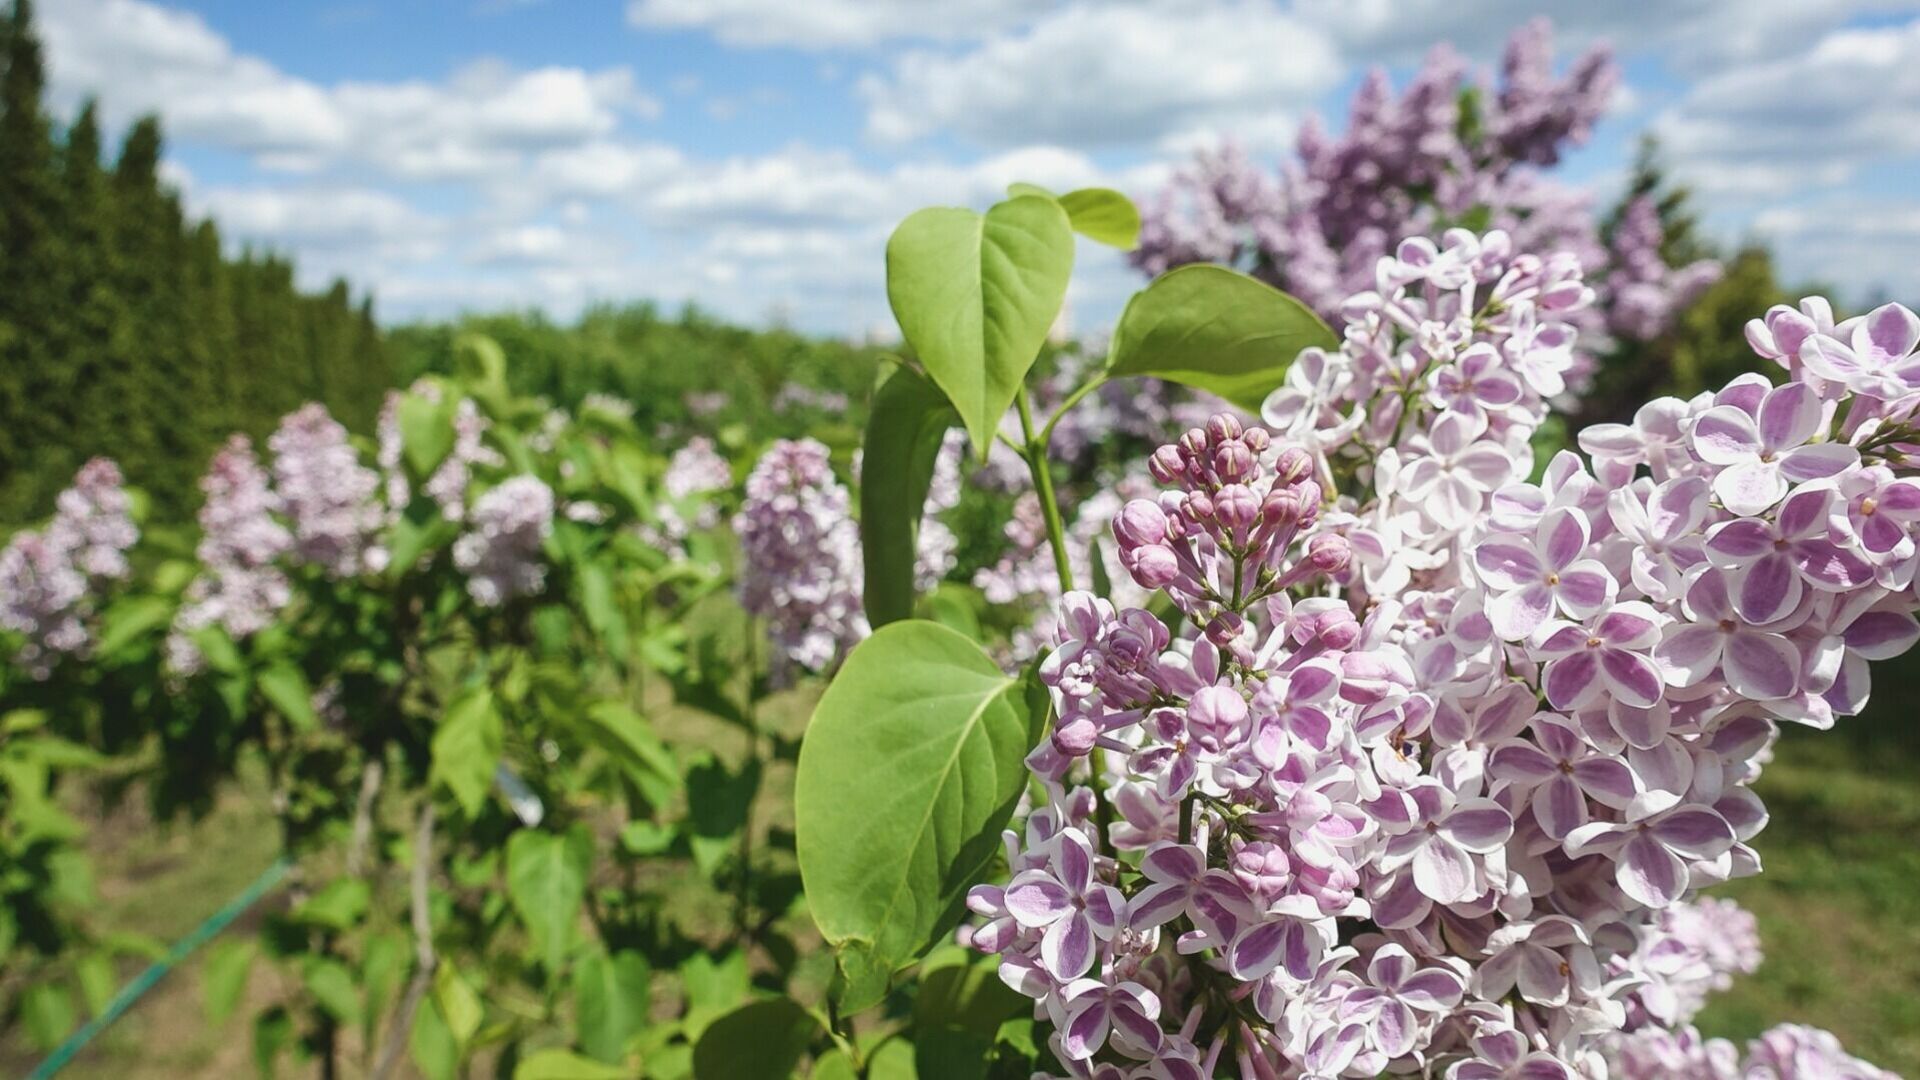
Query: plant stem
{"type": "Point", "coordinates": [424, 959]}
{"type": "Point", "coordinates": [1043, 486]}
{"type": "Point", "coordinates": [1079, 394]}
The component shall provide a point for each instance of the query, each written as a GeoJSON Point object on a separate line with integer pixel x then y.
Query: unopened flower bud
{"type": "Point", "coordinates": [1224, 427]}
{"type": "Point", "coordinates": [1198, 507]}
{"type": "Point", "coordinates": [1166, 465]}
{"type": "Point", "coordinates": [1257, 439]}
{"type": "Point", "coordinates": [1075, 737]}
{"type": "Point", "coordinates": [1152, 567]}
{"type": "Point", "coordinates": [1140, 522]}
{"type": "Point", "coordinates": [1234, 462]}
{"type": "Point", "coordinates": [1194, 442]}
{"type": "Point", "coordinates": [1236, 507]}
{"type": "Point", "coordinates": [1330, 553]}
{"type": "Point", "coordinates": [1225, 628]}
{"type": "Point", "coordinates": [1294, 466]}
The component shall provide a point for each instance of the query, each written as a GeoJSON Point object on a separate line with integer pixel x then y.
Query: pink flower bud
{"type": "Point", "coordinates": [1329, 553]}
{"type": "Point", "coordinates": [1198, 507]}
{"type": "Point", "coordinates": [1223, 427]}
{"type": "Point", "coordinates": [1152, 567]}
{"type": "Point", "coordinates": [1294, 466]}
{"type": "Point", "coordinates": [1236, 507]}
{"type": "Point", "coordinates": [1140, 522]}
{"type": "Point", "coordinates": [1257, 439]}
{"type": "Point", "coordinates": [1166, 465]}
{"type": "Point", "coordinates": [1194, 442]}
{"type": "Point", "coordinates": [1075, 737]}
{"type": "Point", "coordinates": [1234, 462]}
{"type": "Point", "coordinates": [1225, 628]}
{"type": "Point", "coordinates": [1263, 868]}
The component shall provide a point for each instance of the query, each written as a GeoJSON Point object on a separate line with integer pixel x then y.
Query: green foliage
{"type": "Point", "coordinates": [125, 330]}
{"type": "Point", "coordinates": [763, 1039]}
{"type": "Point", "coordinates": [975, 296]}
{"type": "Point", "coordinates": [1217, 330]}
{"type": "Point", "coordinates": [887, 864]}
{"type": "Point", "coordinates": [909, 418]}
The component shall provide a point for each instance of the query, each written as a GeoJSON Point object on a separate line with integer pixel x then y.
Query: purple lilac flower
{"type": "Point", "coordinates": [240, 588]}
{"type": "Point", "coordinates": [1423, 715]}
{"type": "Point", "coordinates": [326, 494]}
{"type": "Point", "coordinates": [501, 550]}
{"type": "Point", "coordinates": [800, 557]}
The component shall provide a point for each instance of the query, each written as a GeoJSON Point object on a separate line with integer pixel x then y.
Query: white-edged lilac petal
{"type": "Point", "coordinates": [1694, 831]}
{"type": "Point", "coordinates": [1478, 825]}
{"type": "Point", "coordinates": [1444, 872]}
{"type": "Point", "coordinates": [1540, 979]}
{"type": "Point", "coordinates": [1606, 780]}
{"type": "Point", "coordinates": [1633, 678]}
{"type": "Point", "coordinates": [1433, 989]}
{"type": "Point", "coordinates": [1890, 330]}
{"type": "Point", "coordinates": [1167, 861]}
{"type": "Point", "coordinates": [1035, 899]}
{"type": "Point", "coordinates": [1789, 416]}
{"type": "Point", "coordinates": [1632, 625]}
{"type": "Point", "coordinates": [1882, 635]}
{"type": "Point", "coordinates": [1394, 1029]}
{"type": "Point", "coordinates": [1649, 873]}
{"type": "Point", "coordinates": [1156, 904]}
{"type": "Point", "coordinates": [1738, 543]}
{"type": "Point", "coordinates": [1259, 949]}
{"type": "Point", "coordinates": [1520, 761]}
{"type": "Point", "coordinates": [1573, 681]}
{"type": "Point", "coordinates": [1750, 487]}
{"type": "Point", "coordinates": [1087, 1024]}
{"type": "Point", "coordinates": [1768, 590]}
{"type": "Point", "coordinates": [1595, 838]}
{"type": "Point", "coordinates": [1106, 910]}
{"type": "Point", "coordinates": [1640, 728]}
{"type": "Point", "coordinates": [1725, 435]}
{"type": "Point", "coordinates": [1560, 807]}
{"type": "Point", "coordinates": [1517, 614]}
{"type": "Point", "coordinates": [1067, 949]}
{"type": "Point", "coordinates": [1073, 860]}
{"type": "Point", "coordinates": [1585, 588]}
{"type": "Point", "coordinates": [1561, 537]}
{"type": "Point", "coordinates": [1506, 563]}
{"type": "Point", "coordinates": [1763, 667]}
{"type": "Point", "coordinates": [1818, 461]}
{"type": "Point", "coordinates": [1828, 566]}
{"type": "Point", "coordinates": [1689, 653]}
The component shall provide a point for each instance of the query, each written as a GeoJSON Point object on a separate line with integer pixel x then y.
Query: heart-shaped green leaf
{"type": "Point", "coordinates": [547, 882]}
{"type": "Point", "coordinates": [1215, 329]}
{"type": "Point", "coordinates": [911, 766]}
{"type": "Point", "coordinates": [763, 1039]}
{"type": "Point", "coordinates": [466, 748]}
{"type": "Point", "coordinates": [1100, 214]}
{"type": "Point", "coordinates": [905, 426]}
{"type": "Point", "coordinates": [975, 296]}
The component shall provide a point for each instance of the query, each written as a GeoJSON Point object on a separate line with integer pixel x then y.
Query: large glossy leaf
{"type": "Point", "coordinates": [547, 881]}
{"type": "Point", "coordinates": [610, 1001]}
{"type": "Point", "coordinates": [760, 1041]}
{"type": "Point", "coordinates": [911, 765]}
{"type": "Point", "coordinates": [975, 296]}
{"type": "Point", "coordinates": [1215, 329]}
{"type": "Point", "coordinates": [909, 418]}
{"type": "Point", "coordinates": [466, 747]}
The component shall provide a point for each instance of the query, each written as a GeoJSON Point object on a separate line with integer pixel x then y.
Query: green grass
{"type": "Point", "coordinates": [1839, 899]}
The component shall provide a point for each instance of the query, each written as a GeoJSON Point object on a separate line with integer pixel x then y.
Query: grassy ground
{"type": "Point", "coordinates": [1839, 906]}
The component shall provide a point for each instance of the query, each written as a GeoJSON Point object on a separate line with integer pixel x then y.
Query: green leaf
{"type": "Point", "coordinates": [337, 907]}
{"type": "Point", "coordinates": [547, 881]}
{"type": "Point", "coordinates": [285, 687]}
{"type": "Point", "coordinates": [272, 1031]}
{"type": "Point", "coordinates": [761, 1041]}
{"type": "Point", "coordinates": [565, 1065]}
{"type": "Point", "coordinates": [1099, 214]}
{"type": "Point", "coordinates": [909, 418]}
{"type": "Point", "coordinates": [967, 995]}
{"type": "Point", "coordinates": [1217, 330]}
{"type": "Point", "coordinates": [1097, 560]}
{"type": "Point", "coordinates": [331, 985]}
{"type": "Point", "coordinates": [466, 748]}
{"type": "Point", "coordinates": [224, 979]}
{"type": "Point", "coordinates": [426, 433]}
{"type": "Point", "coordinates": [458, 1004]}
{"type": "Point", "coordinates": [719, 801]}
{"type": "Point", "coordinates": [1105, 215]}
{"type": "Point", "coordinates": [383, 963]}
{"type": "Point", "coordinates": [95, 974]}
{"type": "Point", "coordinates": [975, 295]}
{"type": "Point", "coordinates": [647, 837]}
{"type": "Point", "coordinates": [911, 766]}
{"type": "Point", "coordinates": [610, 1002]}
{"type": "Point", "coordinates": [130, 618]}
{"type": "Point", "coordinates": [432, 1045]}
{"type": "Point", "coordinates": [626, 735]}
{"type": "Point", "coordinates": [47, 1012]}
{"type": "Point", "coordinates": [950, 1053]}
{"type": "Point", "coordinates": [712, 987]}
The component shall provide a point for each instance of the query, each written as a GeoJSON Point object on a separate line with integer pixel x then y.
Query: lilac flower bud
{"type": "Point", "coordinates": [1197, 507]}
{"type": "Point", "coordinates": [1263, 868]}
{"type": "Point", "coordinates": [1236, 507]}
{"type": "Point", "coordinates": [1223, 427]}
{"type": "Point", "coordinates": [1293, 466]}
{"type": "Point", "coordinates": [1329, 553]}
{"type": "Point", "coordinates": [1194, 443]}
{"type": "Point", "coordinates": [1225, 628]}
{"type": "Point", "coordinates": [1234, 463]}
{"type": "Point", "coordinates": [1140, 522]}
{"type": "Point", "coordinates": [1167, 465]}
{"type": "Point", "coordinates": [1152, 566]}
{"type": "Point", "coordinates": [1256, 440]}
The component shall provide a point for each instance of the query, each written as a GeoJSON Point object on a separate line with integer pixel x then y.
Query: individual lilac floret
{"type": "Point", "coordinates": [501, 550]}
{"type": "Point", "coordinates": [328, 496]}
{"type": "Point", "coordinates": [800, 557]}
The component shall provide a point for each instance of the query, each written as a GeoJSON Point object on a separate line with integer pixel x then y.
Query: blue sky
{"type": "Point", "coordinates": [751, 155]}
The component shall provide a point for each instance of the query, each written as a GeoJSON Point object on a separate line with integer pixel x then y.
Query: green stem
{"type": "Point", "coordinates": [1099, 380]}
{"type": "Point", "coordinates": [1043, 486]}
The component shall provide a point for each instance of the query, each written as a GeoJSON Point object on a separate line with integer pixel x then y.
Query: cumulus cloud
{"type": "Point", "coordinates": [1804, 121]}
{"type": "Point", "coordinates": [142, 57]}
{"type": "Point", "coordinates": [1097, 75]}
{"type": "Point", "coordinates": [815, 24]}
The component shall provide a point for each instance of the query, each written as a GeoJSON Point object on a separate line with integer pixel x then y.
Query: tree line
{"type": "Point", "coordinates": [125, 327]}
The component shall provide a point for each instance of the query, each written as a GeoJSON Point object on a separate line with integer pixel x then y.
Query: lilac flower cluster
{"type": "Point", "coordinates": [800, 557]}
{"type": "Point", "coordinates": [1449, 148]}
{"type": "Point", "coordinates": [1786, 1052]}
{"type": "Point", "coordinates": [329, 498]}
{"type": "Point", "coordinates": [501, 550]}
{"type": "Point", "coordinates": [1442, 752]}
{"type": "Point", "coordinates": [50, 578]}
{"type": "Point", "coordinates": [695, 472]}
{"type": "Point", "coordinates": [447, 487]}
{"type": "Point", "coordinates": [936, 548]}
{"type": "Point", "coordinates": [241, 585]}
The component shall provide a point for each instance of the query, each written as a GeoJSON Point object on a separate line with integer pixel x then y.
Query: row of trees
{"type": "Point", "coordinates": [125, 329]}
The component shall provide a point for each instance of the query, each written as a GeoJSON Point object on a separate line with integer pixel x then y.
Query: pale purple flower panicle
{"type": "Point", "coordinates": [50, 579]}
{"type": "Point", "coordinates": [1430, 774]}
{"type": "Point", "coordinates": [501, 550]}
{"type": "Point", "coordinates": [240, 588]}
{"type": "Point", "coordinates": [695, 472]}
{"type": "Point", "coordinates": [328, 496]}
{"type": "Point", "coordinates": [800, 557]}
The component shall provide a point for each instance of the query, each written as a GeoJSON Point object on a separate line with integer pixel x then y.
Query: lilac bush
{"type": "Point", "coordinates": [1450, 737]}
{"type": "Point", "coordinates": [1451, 148]}
{"type": "Point", "coordinates": [50, 578]}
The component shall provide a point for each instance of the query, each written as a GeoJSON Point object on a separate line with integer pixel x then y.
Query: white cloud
{"type": "Point", "coordinates": [319, 217]}
{"type": "Point", "coordinates": [141, 57]}
{"type": "Point", "coordinates": [814, 24]}
{"type": "Point", "coordinates": [1805, 121]}
{"type": "Point", "coordinates": [604, 168]}
{"type": "Point", "coordinates": [1864, 246]}
{"type": "Point", "coordinates": [1108, 75]}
